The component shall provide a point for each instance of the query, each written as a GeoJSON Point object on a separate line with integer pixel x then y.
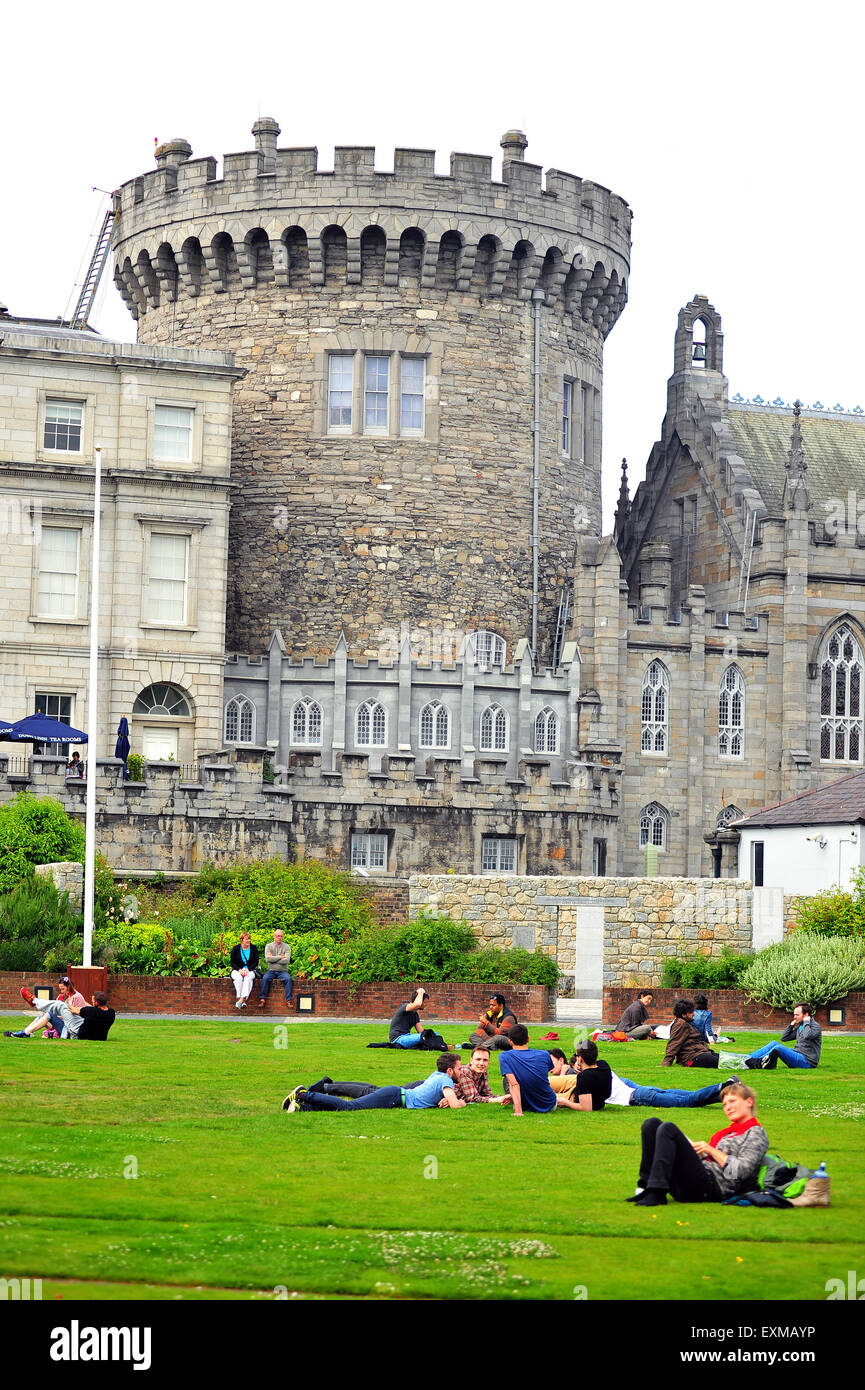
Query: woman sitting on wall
{"type": "Point", "coordinates": [685, 1045]}
{"type": "Point", "coordinates": [702, 1172]}
{"type": "Point", "coordinates": [244, 964]}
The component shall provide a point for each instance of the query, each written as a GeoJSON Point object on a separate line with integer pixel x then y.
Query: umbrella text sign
{"type": "Point", "coordinates": [38, 728]}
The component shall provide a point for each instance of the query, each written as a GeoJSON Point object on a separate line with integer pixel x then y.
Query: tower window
{"type": "Point", "coordinates": [654, 710]}
{"type": "Point", "coordinates": [841, 699]}
{"type": "Point", "coordinates": [653, 826]}
{"type": "Point", "coordinates": [340, 392]}
{"type": "Point", "coordinates": [731, 714]}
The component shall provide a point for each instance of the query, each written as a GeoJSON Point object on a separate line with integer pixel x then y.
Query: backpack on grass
{"type": "Point", "coordinates": [783, 1184]}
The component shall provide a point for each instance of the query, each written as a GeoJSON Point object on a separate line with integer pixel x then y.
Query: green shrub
{"type": "Point", "coordinates": [297, 897]}
{"type": "Point", "coordinates": [705, 972]}
{"type": "Point", "coordinates": [135, 767]}
{"type": "Point", "coordinates": [806, 967]}
{"type": "Point", "coordinates": [35, 830]}
{"type": "Point", "coordinates": [39, 929]}
{"type": "Point", "coordinates": [833, 912]}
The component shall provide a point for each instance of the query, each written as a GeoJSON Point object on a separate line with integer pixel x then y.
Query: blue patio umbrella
{"type": "Point", "coordinates": [122, 748]}
{"type": "Point", "coordinates": [5, 728]}
{"type": "Point", "coordinates": [38, 728]}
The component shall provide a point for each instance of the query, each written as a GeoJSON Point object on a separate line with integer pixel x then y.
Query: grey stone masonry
{"type": "Point", "coordinates": [383, 434]}
{"type": "Point", "coordinates": [638, 921]}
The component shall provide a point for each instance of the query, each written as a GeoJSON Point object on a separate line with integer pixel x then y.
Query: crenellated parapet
{"type": "Point", "coordinates": [275, 218]}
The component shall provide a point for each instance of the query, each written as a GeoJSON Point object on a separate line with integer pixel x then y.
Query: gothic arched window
{"type": "Point", "coordinates": [371, 725]}
{"type": "Point", "coordinates": [239, 720]}
{"type": "Point", "coordinates": [731, 714]}
{"type": "Point", "coordinates": [306, 723]}
{"type": "Point", "coordinates": [547, 732]}
{"type": "Point", "coordinates": [486, 649]}
{"type": "Point", "coordinates": [654, 709]}
{"type": "Point", "coordinates": [653, 826]}
{"type": "Point", "coordinates": [841, 699]}
{"type": "Point", "coordinates": [726, 816]}
{"type": "Point", "coordinates": [494, 729]}
{"type": "Point", "coordinates": [435, 726]}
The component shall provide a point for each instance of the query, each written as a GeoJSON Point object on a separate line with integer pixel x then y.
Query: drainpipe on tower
{"type": "Point", "coordinates": [537, 301]}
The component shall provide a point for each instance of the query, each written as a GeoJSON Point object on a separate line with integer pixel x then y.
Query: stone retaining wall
{"type": "Point", "coordinates": [157, 994]}
{"type": "Point", "coordinates": [634, 923]}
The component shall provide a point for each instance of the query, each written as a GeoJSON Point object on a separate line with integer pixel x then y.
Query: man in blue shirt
{"type": "Point", "coordinates": [439, 1086]}
{"type": "Point", "coordinates": [527, 1072]}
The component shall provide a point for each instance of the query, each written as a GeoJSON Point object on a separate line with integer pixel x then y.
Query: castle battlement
{"type": "Point", "coordinates": [275, 217]}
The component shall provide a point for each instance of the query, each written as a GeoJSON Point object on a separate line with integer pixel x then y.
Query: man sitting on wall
{"type": "Point", "coordinates": [809, 1042]}
{"type": "Point", "coordinates": [635, 1019]}
{"type": "Point", "coordinates": [494, 1025]}
{"type": "Point", "coordinates": [277, 954]}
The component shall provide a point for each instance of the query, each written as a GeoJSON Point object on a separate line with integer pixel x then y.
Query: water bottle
{"type": "Point", "coordinates": [821, 1171]}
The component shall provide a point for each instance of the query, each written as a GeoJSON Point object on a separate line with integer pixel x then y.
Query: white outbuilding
{"type": "Point", "coordinates": [808, 843]}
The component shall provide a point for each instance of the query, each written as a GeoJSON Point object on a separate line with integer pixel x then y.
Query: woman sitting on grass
{"type": "Point", "coordinates": [701, 1172]}
{"type": "Point", "coordinates": [685, 1045]}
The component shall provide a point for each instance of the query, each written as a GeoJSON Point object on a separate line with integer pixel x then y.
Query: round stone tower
{"type": "Point", "coordinates": [417, 437]}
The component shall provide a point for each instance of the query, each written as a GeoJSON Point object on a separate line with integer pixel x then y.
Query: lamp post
{"type": "Point", "coordinates": [92, 707]}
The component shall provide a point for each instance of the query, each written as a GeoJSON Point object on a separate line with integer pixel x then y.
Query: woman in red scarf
{"type": "Point", "coordinates": [700, 1172]}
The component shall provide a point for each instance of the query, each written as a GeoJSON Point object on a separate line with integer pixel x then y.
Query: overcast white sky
{"type": "Point", "coordinates": [735, 133]}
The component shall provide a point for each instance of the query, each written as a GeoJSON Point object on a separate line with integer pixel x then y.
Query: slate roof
{"type": "Point", "coordinates": [834, 452]}
{"type": "Point", "coordinates": [841, 803]}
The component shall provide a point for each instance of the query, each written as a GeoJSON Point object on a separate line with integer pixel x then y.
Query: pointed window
{"type": "Point", "coordinates": [654, 709]}
{"type": "Point", "coordinates": [841, 699]}
{"type": "Point", "coordinates": [494, 730]}
{"type": "Point", "coordinates": [546, 732]}
{"type": "Point", "coordinates": [239, 720]}
{"type": "Point", "coordinates": [486, 649]}
{"type": "Point", "coordinates": [653, 826]}
{"type": "Point", "coordinates": [371, 725]}
{"type": "Point", "coordinates": [306, 723]}
{"type": "Point", "coordinates": [435, 726]}
{"type": "Point", "coordinates": [731, 714]}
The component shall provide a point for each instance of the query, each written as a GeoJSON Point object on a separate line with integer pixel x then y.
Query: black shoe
{"type": "Point", "coordinates": [637, 1195]}
{"type": "Point", "coordinates": [15, 1033]}
{"type": "Point", "coordinates": [732, 1080]}
{"type": "Point", "coordinates": [753, 1063]}
{"type": "Point", "coordinates": [652, 1197]}
{"type": "Point", "coordinates": [769, 1062]}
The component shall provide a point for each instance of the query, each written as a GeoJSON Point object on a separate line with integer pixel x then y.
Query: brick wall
{"type": "Point", "coordinates": [731, 1010]}
{"type": "Point", "coordinates": [156, 994]}
{"type": "Point", "coordinates": [389, 898]}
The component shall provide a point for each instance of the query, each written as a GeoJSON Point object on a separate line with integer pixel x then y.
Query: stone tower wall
{"type": "Point", "coordinates": [286, 265]}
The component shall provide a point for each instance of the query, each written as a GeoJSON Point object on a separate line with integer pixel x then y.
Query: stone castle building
{"type": "Point", "coordinates": [446, 662]}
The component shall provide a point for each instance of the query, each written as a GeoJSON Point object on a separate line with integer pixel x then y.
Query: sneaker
{"type": "Point", "coordinates": [27, 995]}
{"type": "Point", "coordinates": [238, 1004]}
{"type": "Point", "coordinates": [753, 1063]}
{"type": "Point", "coordinates": [15, 1033]}
{"type": "Point", "coordinates": [731, 1080]}
{"type": "Point", "coordinates": [769, 1062]}
{"type": "Point", "coordinates": [293, 1099]}
{"type": "Point", "coordinates": [550, 1037]}
{"type": "Point", "coordinates": [242, 1004]}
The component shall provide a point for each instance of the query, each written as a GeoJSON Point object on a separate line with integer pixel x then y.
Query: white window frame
{"type": "Point", "coordinates": [149, 617]}
{"type": "Point", "coordinates": [567, 417]}
{"type": "Point", "coordinates": [846, 724]}
{"type": "Point", "coordinates": [486, 649]}
{"type": "Point", "coordinates": [43, 612]}
{"type": "Point", "coordinates": [305, 707]}
{"type": "Point", "coordinates": [654, 826]}
{"type": "Point", "coordinates": [655, 711]}
{"type": "Point", "coordinates": [375, 392]}
{"type": "Point", "coordinates": [438, 713]}
{"type": "Point", "coordinates": [332, 359]}
{"type": "Point", "coordinates": [494, 735]}
{"type": "Point", "coordinates": [412, 431]}
{"type": "Point", "coordinates": [369, 850]}
{"type": "Point", "coordinates": [374, 708]}
{"type": "Point", "coordinates": [59, 749]}
{"type": "Point", "coordinates": [499, 854]}
{"type": "Point", "coordinates": [243, 709]}
{"type": "Point", "coordinates": [587, 422]}
{"type": "Point", "coordinates": [67, 403]}
{"type": "Point", "coordinates": [173, 458]}
{"type": "Point", "coordinates": [546, 731]}
{"type": "Point", "coordinates": [731, 714]}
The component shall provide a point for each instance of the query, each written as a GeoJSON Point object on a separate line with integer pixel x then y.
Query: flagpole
{"type": "Point", "coordinates": [92, 710]}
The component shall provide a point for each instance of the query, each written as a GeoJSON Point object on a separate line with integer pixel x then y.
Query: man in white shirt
{"type": "Point", "coordinates": [625, 1092]}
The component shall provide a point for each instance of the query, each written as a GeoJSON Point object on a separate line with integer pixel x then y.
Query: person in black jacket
{"type": "Point", "coordinates": [244, 963]}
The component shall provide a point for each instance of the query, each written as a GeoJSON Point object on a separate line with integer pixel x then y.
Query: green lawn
{"type": "Point", "coordinates": [234, 1198]}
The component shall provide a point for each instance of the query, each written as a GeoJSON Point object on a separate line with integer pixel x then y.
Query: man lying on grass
{"type": "Point", "coordinates": [88, 1022]}
{"type": "Point", "coordinates": [526, 1072]}
{"type": "Point", "coordinates": [471, 1084]}
{"type": "Point", "coordinates": [426, 1096]}
{"type": "Point", "coordinates": [565, 1079]}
